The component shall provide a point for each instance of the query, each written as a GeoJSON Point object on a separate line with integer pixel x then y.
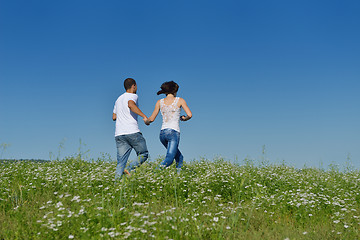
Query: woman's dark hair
{"type": "Point", "coordinates": [168, 88]}
{"type": "Point", "coordinates": [128, 83]}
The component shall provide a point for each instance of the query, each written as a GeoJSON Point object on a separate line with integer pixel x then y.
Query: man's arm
{"type": "Point", "coordinates": [114, 117]}
{"type": "Point", "coordinates": [135, 109]}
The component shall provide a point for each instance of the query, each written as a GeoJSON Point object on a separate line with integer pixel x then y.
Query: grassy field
{"type": "Point", "coordinates": [75, 199]}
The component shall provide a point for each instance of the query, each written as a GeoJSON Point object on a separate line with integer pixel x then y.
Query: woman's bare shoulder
{"type": "Point", "coordinates": [181, 102]}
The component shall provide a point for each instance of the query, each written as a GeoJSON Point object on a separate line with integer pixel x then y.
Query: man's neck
{"type": "Point", "coordinates": [130, 91]}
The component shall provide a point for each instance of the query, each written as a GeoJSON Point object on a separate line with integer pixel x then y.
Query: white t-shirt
{"type": "Point", "coordinates": [126, 120]}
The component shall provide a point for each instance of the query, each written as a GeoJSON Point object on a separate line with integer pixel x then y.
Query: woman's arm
{"type": "Point", "coordinates": [186, 109]}
{"type": "Point", "coordinates": [154, 114]}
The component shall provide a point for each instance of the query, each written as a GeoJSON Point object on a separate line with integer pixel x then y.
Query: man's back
{"type": "Point", "coordinates": [126, 120]}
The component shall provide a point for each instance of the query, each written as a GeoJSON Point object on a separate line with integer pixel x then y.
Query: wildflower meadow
{"type": "Point", "coordinates": [217, 199]}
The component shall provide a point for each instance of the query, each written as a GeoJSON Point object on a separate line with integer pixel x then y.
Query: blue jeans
{"type": "Point", "coordinates": [170, 139]}
{"type": "Point", "coordinates": [124, 145]}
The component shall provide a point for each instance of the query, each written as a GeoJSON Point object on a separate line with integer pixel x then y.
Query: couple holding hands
{"type": "Point", "coordinates": [127, 132]}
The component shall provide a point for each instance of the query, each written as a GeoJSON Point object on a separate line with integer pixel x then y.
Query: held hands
{"type": "Point", "coordinates": [147, 121]}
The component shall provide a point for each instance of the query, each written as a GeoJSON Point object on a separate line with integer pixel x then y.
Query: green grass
{"type": "Point", "coordinates": [75, 199]}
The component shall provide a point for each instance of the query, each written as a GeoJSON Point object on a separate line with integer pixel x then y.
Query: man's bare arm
{"type": "Point", "coordinates": [114, 117]}
{"type": "Point", "coordinates": [135, 109]}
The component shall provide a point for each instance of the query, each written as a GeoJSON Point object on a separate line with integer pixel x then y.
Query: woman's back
{"type": "Point", "coordinates": [171, 113]}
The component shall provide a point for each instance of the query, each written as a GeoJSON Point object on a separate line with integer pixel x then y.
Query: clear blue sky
{"type": "Point", "coordinates": [284, 74]}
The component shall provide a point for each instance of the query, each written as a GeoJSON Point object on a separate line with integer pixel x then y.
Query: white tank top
{"type": "Point", "coordinates": [170, 114]}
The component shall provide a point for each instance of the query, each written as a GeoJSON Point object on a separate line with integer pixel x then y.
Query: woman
{"type": "Point", "coordinates": [170, 107]}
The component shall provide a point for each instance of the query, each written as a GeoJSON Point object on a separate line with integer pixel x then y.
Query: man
{"type": "Point", "coordinates": [127, 133]}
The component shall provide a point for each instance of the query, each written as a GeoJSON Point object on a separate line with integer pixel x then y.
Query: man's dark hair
{"type": "Point", "coordinates": [128, 83]}
{"type": "Point", "coordinates": [168, 88]}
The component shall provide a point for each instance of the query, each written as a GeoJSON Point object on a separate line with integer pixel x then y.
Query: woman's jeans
{"type": "Point", "coordinates": [170, 139]}
{"type": "Point", "coordinates": [124, 145]}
